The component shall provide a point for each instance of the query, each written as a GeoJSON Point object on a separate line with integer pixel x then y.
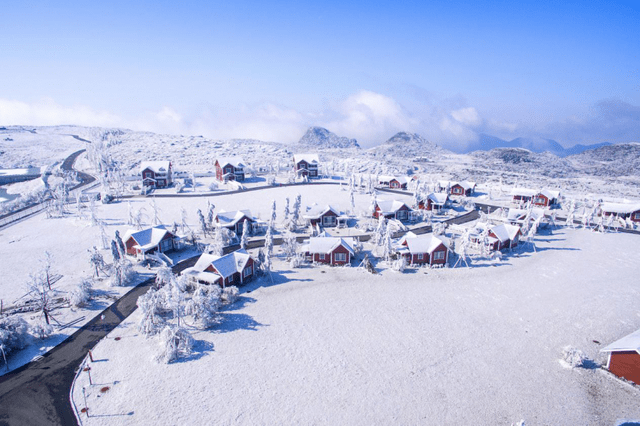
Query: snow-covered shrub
{"type": "Point", "coordinates": [14, 333]}
{"type": "Point", "coordinates": [400, 264]}
{"type": "Point", "coordinates": [42, 330]}
{"type": "Point", "coordinates": [296, 262]}
{"type": "Point", "coordinates": [80, 294]}
{"type": "Point", "coordinates": [150, 305]}
{"type": "Point", "coordinates": [213, 186]}
{"type": "Point", "coordinates": [122, 273]}
{"type": "Point", "coordinates": [175, 342]}
{"type": "Point", "coordinates": [573, 357]}
{"type": "Point", "coordinates": [204, 306]}
{"type": "Point", "coordinates": [271, 180]}
{"type": "Point", "coordinates": [229, 295]}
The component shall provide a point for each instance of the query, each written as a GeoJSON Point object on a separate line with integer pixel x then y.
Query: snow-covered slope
{"type": "Point", "coordinates": [412, 145]}
{"type": "Point", "coordinates": [319, 137]}
{"type": "Point", "coordinates": [487, 142]}
{"type": "Point", "coordinates": [610, 161]}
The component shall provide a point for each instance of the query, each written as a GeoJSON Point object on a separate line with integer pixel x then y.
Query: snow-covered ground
{"type": "Point", "coordinates": [324, 345]}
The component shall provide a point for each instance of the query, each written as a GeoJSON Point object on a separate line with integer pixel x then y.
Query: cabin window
{"type": "Point", "coordinates": [341, 257]}
{"type": "Point", "coordinates": [540, 200]}
{"type": "Point", "coordinates": [148, 174]}
{"type": "Point", "coordinates": [329, 220]}
{"type": "Point", "coordinates": [420, 256]}
{"type": "Point", "coordinates": [230, 279]}
{"type": "Point", "coordinates": [637, 216]}
{"type": "Point", "coordinates": [248, 271]}
{"type": "Point", "coordinates": [439, 255]}
{"type": "Point", "coordinates": [321, 256]}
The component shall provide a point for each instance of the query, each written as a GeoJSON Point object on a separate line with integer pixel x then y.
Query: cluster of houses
{"type": "Point", "coordinates": [545, 198]}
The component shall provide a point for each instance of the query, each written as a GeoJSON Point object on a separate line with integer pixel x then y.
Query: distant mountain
{"type": "Point", "coordinates": [610, 160]}
{"type": "Point", "coordinates": [487, 142]}
{"type": "Point", "coordinates": [521, 160]}
{"type": "Point", "coordinates": [404, 144]}
{"type": "Point", "coordinates": [320, 137]}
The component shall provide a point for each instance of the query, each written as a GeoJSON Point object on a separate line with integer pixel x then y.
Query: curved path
{"type": "Point", "coordinates": [38, 392]}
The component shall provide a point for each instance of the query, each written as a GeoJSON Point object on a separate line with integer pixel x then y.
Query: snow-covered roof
{"type": "Point", "coordinates": [207, 277]}
{"type": "Point", "coordinates": [517, 214]}
{"type": "Point", "coordinates": [316, 211]}
{"type": "Point", "coordinates": [407, 236]}
{"type": "Point", "coordinates": [236, 162]}
{"type": "Point", "coordinates": [423, 244]}
{"type": "Point", "coordinates": [620, 207]}
{"type": "Point", "coordinates": [147, 238]}
{"type": "Point", "coordinates": [390, 206]}
{"type": "Point", "coordinates": [505, 231]}
{"type": "Point", "coordinates": [630, 342]}
{"type": "Point", "coordinates": [308, 158]}
{"type": "Point", "coordinates": [438, 198]}
{"type": "Point", "coordinates": [226, 265]}
{"type": "Point", "coordinates": [325, 245]}
{"type": "Point", "coordinates": [227, 219]}
{"type": "Point", "coordinates": [156, 166]}
{"type": "Point", "coordinates": [524, 192]}
{"type": "Point", "coordinates": [466, 185]}
{"type": "Point", "coordinates": [388, 178]}
{"type": "Point", "coordinates": [550, 193]}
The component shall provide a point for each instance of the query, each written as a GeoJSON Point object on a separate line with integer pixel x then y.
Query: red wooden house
{"type": "Point", "coordinates": [506, 236]}
{"type": "Point", "coordinates": [149, 240]}
{"type": "Point", "coordinates": [393, 182]}
{"type": "Point", "coordinates": [457, 188]}
{"type": "Point", "coordinates": [306, 165]}
{"type": "Point", "coordinates": [434, 201]}
{"type": "Point", "coordinates": [230, 168]}
{"type": "Point", "coordinates": [234, 220]}
{"type": "Point", "coordinates": [624, 357]}
{"type": "Point", "coordinates": [329, 250]}
{"type": "Point", "coordinates": [546, 198]}
{"type": "Point", "coordinates": [392, 209]}
{"type": "Point", "coordinates": [325, 216]}
{"type": "Point", "coordinates": [523, 195]}
{"type": "Point", "coordinates": [156, 174]}
{"type": "Point", "coordinates": [235, 268]}
{"type": "Point", "coordinates": [429, 250]}
{"type": "Point", "coordinates": [621, 210]}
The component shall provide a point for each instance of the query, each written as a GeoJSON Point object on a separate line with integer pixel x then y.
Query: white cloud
{"type": "Point", "coordinates": [467, 116]}
{"type": "Point", "coordinates": [46, 112]}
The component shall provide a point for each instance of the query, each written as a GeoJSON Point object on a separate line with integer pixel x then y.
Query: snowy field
{"type": "Point", "coordinates": [323, 345]}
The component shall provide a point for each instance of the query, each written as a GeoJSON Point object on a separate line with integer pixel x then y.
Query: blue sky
{"type": "Point", "coordinates": [448, 71]}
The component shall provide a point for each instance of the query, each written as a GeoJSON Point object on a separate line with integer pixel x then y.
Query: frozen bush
{"type": "Point", "coordinates": [573, 357]}
{"type": "Point", "coordinates": [400, 264]}
{"type": "Point", "coordinates": [176, 342]}
{"type": "Point", "coordinates": [296, 262]}
{"type": "Point", "coordinates": [150, 305]}
{"type": "Point", "coordinates": [42, 330]}
{"type": "Point", "coordinates": [81, 294]}
{"type": "Point", "coordinates": [204, 306]}
{"type": "Point", "coordinates": [14, 332]}
{"type": "Point", "coordinates": [229, 295]}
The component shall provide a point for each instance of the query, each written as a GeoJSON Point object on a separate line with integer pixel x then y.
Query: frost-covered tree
{"type": "Point", "coordinates": [129, 213]}
{"type": "Point", "coordinates": [176, 342]}
{"type": "Point", "coordinates": [204, 306]}
{"type": "Point", "coordinates": [229, 295]}
{"type": "Point", "coordinates": [183, 220]}
{"type": "Point", "coordinates": [138, 218]}
{"type": "Point", "coordinates": [245, 234]}
{"type": "Point", "coordinates": [104, 238]}
{"type": "Point", "coordinates": [387, 248]}
{"type": "Point", "coordinates": [210, 214]}
{"type": "Point", "coordinates": [352, 201]}
{"type": "Point", "coordinates": [289, 245]}
{"type": "Point", "coordinates": [120, 244]}
{"type": "Point", "coordinates": [378, 235]}
{"type": "Point", "coordinates": [150, 305]}
{"type": "Point", "coordinates": [286, 210]}
{"type": "Point", "coordinates": [122, 272]}
{"type": "Point", "coordinates": [164, 276]}
{"type": "Point", "coordinates": [93, 211]}
{"type": "Point", "coordinates": [273, 214]}
{"type": "Point", "coordinates": [295, 214]}
{"type": "Point", "coordinates": [40, 294]}
{"type": "Point", "coordinates": [373, 204]}
{"type": "Point", "coordinates": [204, 229]}
{"type": "Point", "coordinates": [115, 251]}
{"type": "Point", "coordinates": [97, 261]}
{"type": "Point", "coordinates": [156, 210]}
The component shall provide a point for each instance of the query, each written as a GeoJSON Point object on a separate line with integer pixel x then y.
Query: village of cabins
{"type": "Point", "coordinates": [508, 228]}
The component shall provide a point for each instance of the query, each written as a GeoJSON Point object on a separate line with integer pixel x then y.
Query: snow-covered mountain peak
{"type": "Point", "coordinates": [321, 137]}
